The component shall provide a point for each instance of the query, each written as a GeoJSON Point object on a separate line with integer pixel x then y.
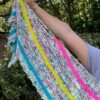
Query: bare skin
{"type": "Point", "coordinates": [62, 30]}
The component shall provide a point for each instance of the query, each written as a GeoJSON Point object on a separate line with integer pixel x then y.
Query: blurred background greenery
{"type": "Point", "coordinates": [82, 15]}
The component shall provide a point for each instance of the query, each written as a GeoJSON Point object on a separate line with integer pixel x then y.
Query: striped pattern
{"type": "Point", "coordinates": [56, 74]}
{"type": "Point", "coordinates": [46, 60]}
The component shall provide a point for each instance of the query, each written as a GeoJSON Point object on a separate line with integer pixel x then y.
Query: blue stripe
{"type": "Point", "coordinates": [15, 45]}
{"type": "Point", "coordinates": [13, 13]}
{"type": "Point", "coordinates": [31, 67]}
{"type": "Point", "coordinates": [13, 31]}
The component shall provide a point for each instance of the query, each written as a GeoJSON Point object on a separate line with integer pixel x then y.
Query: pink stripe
{"type": "Point", "coordinates": [84, 86]}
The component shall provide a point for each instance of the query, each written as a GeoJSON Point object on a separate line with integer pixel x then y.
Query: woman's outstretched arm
{"type": "Point", "coordinates": [62, 30]}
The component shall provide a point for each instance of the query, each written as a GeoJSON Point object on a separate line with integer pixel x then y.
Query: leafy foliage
{"type": "Point", "coordinates": [14, 84]}
{"type": "Point", "coordinates": [82, 15]}
{"type": "Point", "coordinates": [5, 9]}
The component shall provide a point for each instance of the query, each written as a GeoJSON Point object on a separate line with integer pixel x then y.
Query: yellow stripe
{"type": "Point", "coordinates": [35, 39]}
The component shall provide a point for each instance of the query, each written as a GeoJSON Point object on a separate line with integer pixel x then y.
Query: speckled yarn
{"type": "Point", "coordinates": [53, 70]}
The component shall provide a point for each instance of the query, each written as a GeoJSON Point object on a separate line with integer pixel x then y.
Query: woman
{"type": "Point", "coordinates": [88, 55]}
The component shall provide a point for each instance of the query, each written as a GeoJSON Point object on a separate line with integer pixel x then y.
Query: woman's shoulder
{"type": "Point", "coordinates": [94, 61]}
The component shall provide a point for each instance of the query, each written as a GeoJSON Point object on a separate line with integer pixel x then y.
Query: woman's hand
{"type": "Point", "coordinates": [31, 3]}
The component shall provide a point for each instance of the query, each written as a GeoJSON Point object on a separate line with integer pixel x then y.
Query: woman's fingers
{"type": "Point", "coordinates": [30, 3]}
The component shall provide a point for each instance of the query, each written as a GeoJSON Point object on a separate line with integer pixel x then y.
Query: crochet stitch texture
{"type": "Point", "coordinates": [53, 70]}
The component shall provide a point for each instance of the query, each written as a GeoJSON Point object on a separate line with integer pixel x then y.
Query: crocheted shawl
{"type": "Point", "coordinates": [53, 70]}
